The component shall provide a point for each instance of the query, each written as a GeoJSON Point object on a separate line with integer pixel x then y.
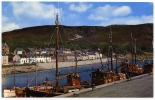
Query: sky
{"type": "Point", "coordinates": [22, 14]}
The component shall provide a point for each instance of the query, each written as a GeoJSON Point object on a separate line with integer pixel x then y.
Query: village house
{"type": "Point", "coordinates": [83, 57]}
{"type": "Point", "coordinates": [5, 59]}
{"type": "Point", "coordinates": [78, 51]}
{"type": "Point", "coordinates": [38, 51]}
{"type": "Point", "coordinates": [43, 51]}
{"type": "Point", "coordinates": [69, 57]}
{"type": "Point", "coordinates": [65, 50]}
{"type": "Point", "coordinates": [48, 55]}
{"type": "Point", "coordinates": [50, 51]}
{"type": "Point", "coordinates": [43, 58]}
{"type": "Point", "coordinates": [24, 59]}
{"type": "Point", "coordinates": [19, 51]}
{"type": "Point", "coordinates": [5, 52]}
{"type": "Point", "coordinates": [16, 58]}
{"type": "Point", "coordinates": [91, 56]}
{"type": "Point", "coordinates": [32, 50]}
{"type": "Point", "coordinates": [31, 58]}
{"type": "Point", "coordinates": [5, 48]}
{"type": "Point", "coordinates": [98, 55]}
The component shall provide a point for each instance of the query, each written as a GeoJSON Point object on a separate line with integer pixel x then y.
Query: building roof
{"type": "Point", "coordinates": [31, 49]}
{"type": "Point", "coordinates": [3, 53]}
{"type": "Point", "coordinates": [19, 49]}
{"type": "Point", "coordinates": [50, 49]}
{"type": "Point", "coordinates": [4, 44]}
{"type": "Point", "coordinates": [69, 54]}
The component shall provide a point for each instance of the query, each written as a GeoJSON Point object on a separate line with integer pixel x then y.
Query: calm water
{"type": "Point", "coordinates": [21, 79]}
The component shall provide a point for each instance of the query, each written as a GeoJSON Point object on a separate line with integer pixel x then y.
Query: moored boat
{"type": "Point", "coordinates": [131, 68]}
{"type": "Point", "coordinates": [47, 89]}
{"type": "Point", "coordinates": [102, 76]}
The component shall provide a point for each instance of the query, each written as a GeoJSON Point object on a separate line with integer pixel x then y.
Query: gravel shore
{"type": "Point", "coordinates": [45, 66]}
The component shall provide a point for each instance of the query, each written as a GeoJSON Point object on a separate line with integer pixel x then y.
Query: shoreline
{"type": "Point", "coordinates": [46, 66]}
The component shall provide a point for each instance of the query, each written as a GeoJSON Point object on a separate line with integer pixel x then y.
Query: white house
{"type": "Point", "coordinates": [50, 51]}
{"type": "Point", "coordinates": [65, 51]}
{"type": "Point", "coordinates": [43, 58]}
{"type": "Point", "coordinates": [91, 56]}
{"type": "Point", "coordinates": [30, 58]}
{"type": "Point", "coordinates": [43, 51]}
{"type": "Point", "coordinates": [19, 51]}
{"type": "Point", "coordinates": [24, 60]}
{"type": "Point", "coordinates": [4, 59]}
{"type": "Point", "coordinates": [83, 57]}
{"type": "Point", "coordinates": [98, 56]}
{"type": "Point", "coordinates": [16, 58]}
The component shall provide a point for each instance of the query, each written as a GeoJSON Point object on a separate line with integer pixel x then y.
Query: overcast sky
{"type": "Point", "coordinates": [17, 15]}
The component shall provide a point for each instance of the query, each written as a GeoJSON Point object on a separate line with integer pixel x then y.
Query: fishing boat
{"type": "Point", "coordinates": [14, 91]}
{"type": "Point", "coordinates": [148, 66]}
{"type": "Point", "coordinates": [101, 76]}
{"type": "Point", "coordinates": [130, 68]}
{"type": "Point", "coordinates": [47, 89]}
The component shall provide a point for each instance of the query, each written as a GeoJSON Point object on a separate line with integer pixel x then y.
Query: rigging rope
{"type": "Point", "coordinates": [51, 37]}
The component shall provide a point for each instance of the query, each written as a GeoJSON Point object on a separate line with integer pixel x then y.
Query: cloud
{"type": "Point", "coordinates": [33, 10]}
{"type": "Point", "coordinates": [107, 15]}
{"type": "Point", "coordinates": [96, 18]}
{"type": "Point", "coordinates": [106, 12]}
{"type": "Point", "coordinates": [69, 18]}
{"type": "Point", "coordinates": [7, 25]}
{"type": "Point", "coordinates": [130, 20]}
{"type": "Point", "coordinates": [82, 7]}
{"type": "Point", "coordinates": [4, 19]}
{"type": "Point", "coordinates": [122, 11]}
{"type": "Point", "coordinates": [27, 14]}
{"type": "Point", "coordinates": [139, 19]}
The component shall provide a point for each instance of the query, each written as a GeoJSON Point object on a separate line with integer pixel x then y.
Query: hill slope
{"type": "Point", "coordinates": [39, 36]}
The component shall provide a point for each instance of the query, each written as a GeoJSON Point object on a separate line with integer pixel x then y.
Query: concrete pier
{"type": "Point", "coordinates": [139, 87]}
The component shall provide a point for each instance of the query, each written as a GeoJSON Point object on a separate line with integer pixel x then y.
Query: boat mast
{"type": "Point", "coordinates": [99, 51]}
{"type": "Point", "coordinates": [132, 50]}
{"type": "Point", "coordinates": [107, 40]}
{"type": "Point", "coordinates": [110, 37]}
{"type": "Point", "coordinates": [28, 73]}
{"type": "Point", "coordinates": [116, 64]}
{"type": "Point", "coordinates": [135, 51]}
{"type": "Point", "coordinates": [14, 76]}
{"type": "Point", "coordinates": [56, 47]}
{"type": "Point", "coordinates": [76, 60]}
{"type": "Point", "coordinates": [36, 77]}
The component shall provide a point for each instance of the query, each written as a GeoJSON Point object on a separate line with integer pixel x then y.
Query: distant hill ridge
{"type": "Point", "coordinates": [39, 36]}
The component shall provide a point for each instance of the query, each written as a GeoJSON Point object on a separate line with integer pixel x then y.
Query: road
{"type": "Point", "coordinates": [136, 87]}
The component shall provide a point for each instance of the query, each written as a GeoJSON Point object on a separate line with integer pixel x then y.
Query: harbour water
{"type": "Point", "coordinates": [21, 80]}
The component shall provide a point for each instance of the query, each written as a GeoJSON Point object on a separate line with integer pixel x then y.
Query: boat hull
{"type": "Point", "coordinates": [35, 93]}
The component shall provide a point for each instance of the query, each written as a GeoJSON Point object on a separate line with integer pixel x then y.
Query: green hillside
{"type": "Point", "coordinates": [93, 37]}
